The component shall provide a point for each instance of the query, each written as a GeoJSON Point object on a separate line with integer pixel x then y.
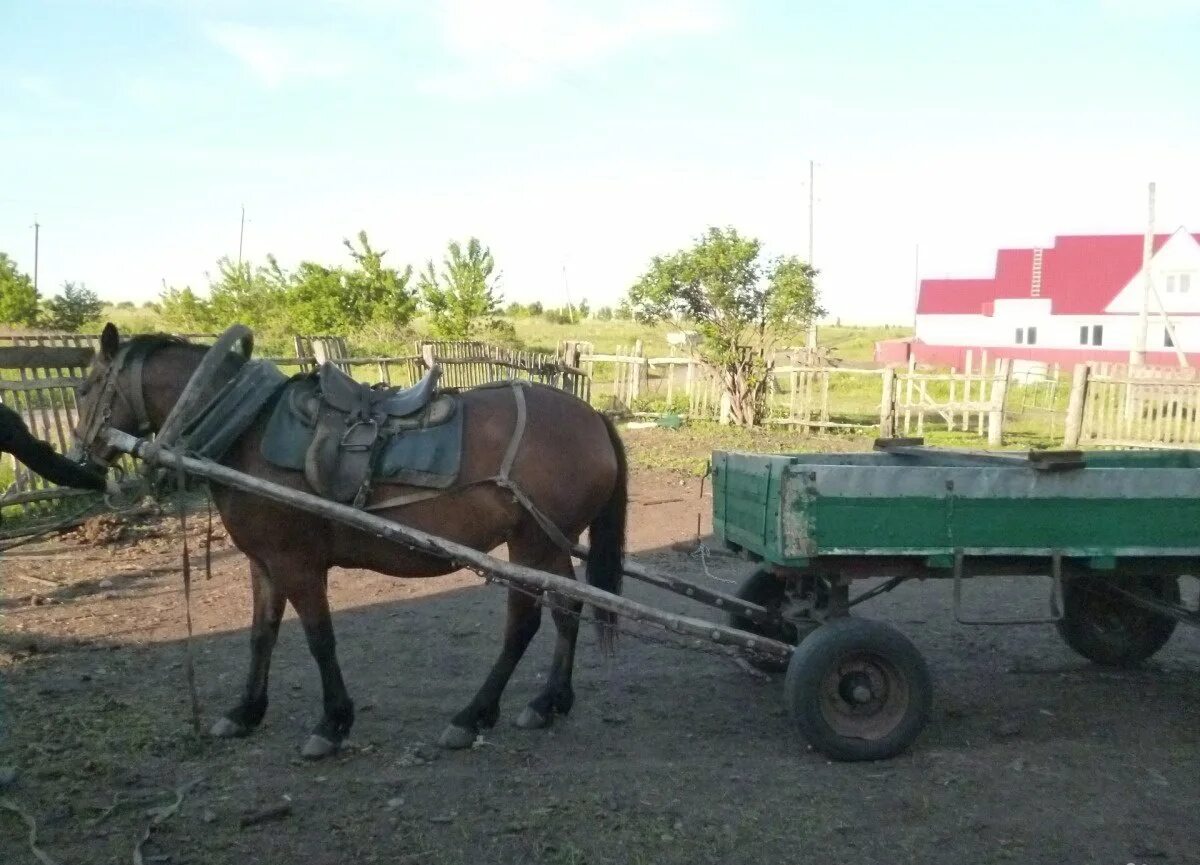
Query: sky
{"type": "Point", "coordinates": [579, 139]}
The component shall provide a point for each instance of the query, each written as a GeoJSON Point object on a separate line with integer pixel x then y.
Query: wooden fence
{"type": "Point", "coordinates": [471, 364]}
{"type": "Point", "coordinates": [810, 396]}
{"type": "Point", "coordinates": [1121, 406]}
{"type": "Point", "coordinates": [38, 382]}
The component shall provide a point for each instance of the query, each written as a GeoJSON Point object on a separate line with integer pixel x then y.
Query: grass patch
{"type": "Point", "coordinates": [689, 449]}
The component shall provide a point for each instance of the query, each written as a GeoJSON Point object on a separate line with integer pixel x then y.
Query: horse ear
{"type": "Point", "coordinates": [110, 341]}
{"type": "Point", "coordinates": [247, 345]}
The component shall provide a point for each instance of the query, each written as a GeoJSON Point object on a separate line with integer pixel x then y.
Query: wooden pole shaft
{"type": "Point", "coordinates": [505, 572]}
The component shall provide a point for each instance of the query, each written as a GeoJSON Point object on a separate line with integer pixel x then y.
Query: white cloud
{"type": "Point", "coordinates": [278, 56]}
{"type": "Point", "coordinates": [1151, 8]}
{"type": "Point", "coordinates": [523, 42]}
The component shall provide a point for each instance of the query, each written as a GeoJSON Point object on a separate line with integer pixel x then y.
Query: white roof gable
{"type": "Point", "coordinates": [1179, 255]}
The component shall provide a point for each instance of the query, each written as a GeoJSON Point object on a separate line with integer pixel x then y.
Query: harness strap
{"type": "Point", "coordinates": [514, 444]}
{"type": "Point", "coordinates": [137, 393]}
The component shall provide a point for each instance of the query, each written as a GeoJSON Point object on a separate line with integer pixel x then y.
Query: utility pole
{"type": "Point", "coordinates": [916, 286]}
{"type": "Point", "coordinates": [812, 325]}
{"type": "Point", "coordinates": [37, 230]}
{"type": "Point", "coordinates": [567, 293]}
{"type": "Point", "coordinates": [241, 236]}
{"type": "Point", "coordinates": [1137, 354]}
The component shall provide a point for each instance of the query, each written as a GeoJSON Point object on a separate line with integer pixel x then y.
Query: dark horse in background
{"type": "Point", "coordinates": [571, 463]}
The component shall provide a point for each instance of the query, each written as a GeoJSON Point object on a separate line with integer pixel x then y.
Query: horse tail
{"type": "Point", "coordinates": [605, 563]}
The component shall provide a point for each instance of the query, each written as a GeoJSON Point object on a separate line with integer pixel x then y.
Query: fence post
{"type": "Point", "coordinates": [996, 414]}
{"type": "Point", "coordinates": [641, 373]}
{"type": "Point", "coordinates": [1075, 406]}
{"type": "Point", "coordinates": [887, 404]}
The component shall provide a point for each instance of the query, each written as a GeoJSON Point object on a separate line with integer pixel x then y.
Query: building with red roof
{"type": "Point", "coordinates": [1076, 300]}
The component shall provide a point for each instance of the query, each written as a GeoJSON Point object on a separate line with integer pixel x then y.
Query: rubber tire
{"type": "Point", "coordinates": [1144, 634]}
{"type": "Point", "coordinates": [765, 589]}
{"type": "Point", "coordinates": [825, 647]}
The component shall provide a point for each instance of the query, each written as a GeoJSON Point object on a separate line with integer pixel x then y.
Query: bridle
{"type": "Point", "coordinates": [98, 412]}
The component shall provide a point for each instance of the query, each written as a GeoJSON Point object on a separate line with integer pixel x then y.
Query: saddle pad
{"type": "Point", "coordinates": [423, 457]}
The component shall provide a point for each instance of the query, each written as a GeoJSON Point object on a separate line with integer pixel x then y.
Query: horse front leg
{"type": "Point", "coordinates": [307, 590]}
{"type": "Point", "coordinates": [269, 601]}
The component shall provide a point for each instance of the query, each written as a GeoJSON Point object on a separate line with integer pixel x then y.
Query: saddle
{"type": "Point", "coordinates": [353, 424]}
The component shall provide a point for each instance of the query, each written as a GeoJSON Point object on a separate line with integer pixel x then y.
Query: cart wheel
{"type": "Point", "coordinates": [766, 590]}
{"type": "Point", "coordinates": [858, 690]}
{"type": "Point", "coordinates": [1110, 630]}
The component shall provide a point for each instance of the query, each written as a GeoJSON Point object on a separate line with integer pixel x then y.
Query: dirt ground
{"type": "Point", "coordinates": [670, 756]}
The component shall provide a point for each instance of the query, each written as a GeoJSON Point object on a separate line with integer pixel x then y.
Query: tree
{"type": "Point", "coordinates": [318, 300]}
{"type": "Point", "coordinates": [242, 293]}
{"type": "Point", "coordinates": [462, 297]}
{"type": "Point", "coordinates": [624, 312]}
{"type": "Point", "coordinates": [18, 297]}
{"type": "Point", "coordinates": [742, 306]}
{"type": "Point", "coordinates": [182, 309]}
{"type": "Point", "coordinates": [534, 309]}
{"type": "Point", "coordinates": [75, 307]}
{"type": "Point", "coordinates": [374, 293]}
{"type": "Point", "coordinates": [604, 313]}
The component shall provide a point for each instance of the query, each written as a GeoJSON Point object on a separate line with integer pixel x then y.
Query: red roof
{"type": "Point", "coordinates": [1081, 274]}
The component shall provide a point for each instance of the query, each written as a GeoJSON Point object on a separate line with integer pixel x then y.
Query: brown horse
{"type": "Point", "coordinates": [570, 463]}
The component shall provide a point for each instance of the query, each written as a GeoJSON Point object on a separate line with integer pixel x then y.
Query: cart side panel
{"type": "Point", "coordinates": [747, 501]}
{"type": "Point", "coordinates": [1090, 512]}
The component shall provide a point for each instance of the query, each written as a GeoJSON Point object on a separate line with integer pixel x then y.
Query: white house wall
{"type": "Point", "coordinates": [1058, 331]}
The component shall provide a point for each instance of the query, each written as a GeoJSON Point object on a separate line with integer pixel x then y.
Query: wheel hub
{"type": "Point", "coordinates": [863, 696]}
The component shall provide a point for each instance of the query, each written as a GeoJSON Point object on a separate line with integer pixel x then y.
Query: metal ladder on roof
{"type": "Point", "coordinates": [1035, 280]}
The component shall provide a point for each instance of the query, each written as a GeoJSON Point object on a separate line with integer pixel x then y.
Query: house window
{"type": "Point", "coordinates": [1097, 334]}
{"type": "Point", "coordinates": [1181, 282]}
{"type": "Point", "coordinates": [1167, 341]}
{"type": "Point", "coordinates": [1020, 336]}
{"type": "Point", "coordinates": [1083, 334]}
{"type": "Point", "coordinates": [1030, 335]}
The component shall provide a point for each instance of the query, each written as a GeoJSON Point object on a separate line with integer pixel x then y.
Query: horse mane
{"type": "Point", "coordinates": [144, 343]}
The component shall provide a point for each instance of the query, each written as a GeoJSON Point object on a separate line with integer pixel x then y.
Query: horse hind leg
{"type": "Point", "coordinates": [264, 629]}
{"type": "Point", "coordinates": [522, 623]}
{"type": "Point", "coordinates": [558, 696]}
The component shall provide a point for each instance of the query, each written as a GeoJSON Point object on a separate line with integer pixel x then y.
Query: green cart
{"type": "Point", "coordinates": [1113, 530]}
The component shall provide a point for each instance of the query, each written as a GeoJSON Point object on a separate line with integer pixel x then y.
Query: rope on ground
{"type": "Point", "coordinates": [40, 854]}
{"type": "Point", "coordinates": [159, 815]}
{"type": "Point", "coordinates": [189, 659]}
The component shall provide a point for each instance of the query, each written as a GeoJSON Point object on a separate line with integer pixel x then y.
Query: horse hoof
{"type": "Point", "coordinates": [227, 729]}
{"type": "Point", "coordinates": [454, 738]}
{"type": "Point", "coordinates": [317, 747]}
{"type": "Point", "coordinates": [531, 719]}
